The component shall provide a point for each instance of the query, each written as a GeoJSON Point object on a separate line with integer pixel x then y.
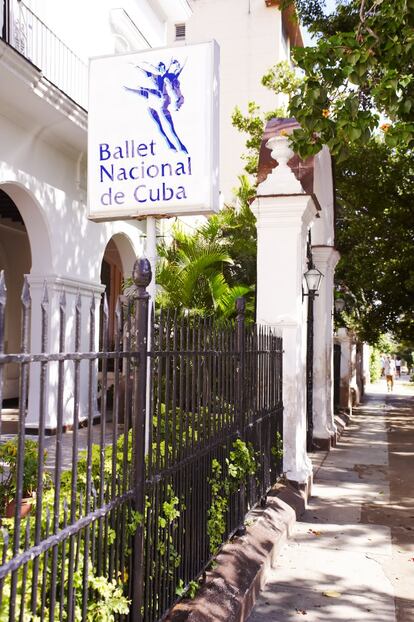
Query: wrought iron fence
{"type": "Point", "coordinates": [123, 515]}
{"type": "Point", "coordinates": [36, 42]}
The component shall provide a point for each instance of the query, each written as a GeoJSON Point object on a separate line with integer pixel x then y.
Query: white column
{"type": "Point", "coordinates": [325, 259]}
{"type": "Point", "coordinates": [55, 287]}
{"type": "Point", "coordinates": [355, 388]}
{"type": "Point", "coordinates": [282, 225]}
{"type": "Point", "coordinates": [366, 358]}
{"type": "Point", "coordinates": [345, 341]}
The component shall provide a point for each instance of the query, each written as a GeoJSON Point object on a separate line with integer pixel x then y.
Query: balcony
{"type": "Point", "coordinates": [27, 34]}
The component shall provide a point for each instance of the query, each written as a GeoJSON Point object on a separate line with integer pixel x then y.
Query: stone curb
{"type": "Point", "coordinates": [229, 592]}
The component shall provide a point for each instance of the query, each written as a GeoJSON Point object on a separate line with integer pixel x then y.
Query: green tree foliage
{"type": "Point", "coordinates": [375, 236]}
{"type": "Point", "coordinates": [358, 78]}
{"type": "Point", "coordinates": [406, 351]}
{"type": "Point", "coordinates": [374, 169]}
{"type": "Point", "coordinates": [253, 124]}
{"type": "Point", "coordinates": [205, 271]}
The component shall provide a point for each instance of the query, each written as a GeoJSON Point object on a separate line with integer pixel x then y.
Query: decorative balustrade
{"type": "Point", "coordinates": [26, 33]}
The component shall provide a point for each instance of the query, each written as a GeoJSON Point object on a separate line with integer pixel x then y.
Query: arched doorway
{"type": "Point", "coordinates": [112, 277]}
{"type": "Point", "coordinates": [116, 265]}
{"type": "Point", "coordinates": [15, 260]}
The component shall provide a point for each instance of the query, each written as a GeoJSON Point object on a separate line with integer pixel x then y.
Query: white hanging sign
{"type": "Point", "coordinates": [153, 133]}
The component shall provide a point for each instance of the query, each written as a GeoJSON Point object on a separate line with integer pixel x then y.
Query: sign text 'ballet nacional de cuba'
{"type": "Point", "coordinates": [153, 133]}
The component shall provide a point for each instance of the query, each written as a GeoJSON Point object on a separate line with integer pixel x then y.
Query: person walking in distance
{"type": "Point", "coordinates": [389, 370]}
{"type": "Point", "coordinates": [398, 366]}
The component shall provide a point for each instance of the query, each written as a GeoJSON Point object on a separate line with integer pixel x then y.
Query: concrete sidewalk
{"type": "Point", "coordinates": [351, 556]}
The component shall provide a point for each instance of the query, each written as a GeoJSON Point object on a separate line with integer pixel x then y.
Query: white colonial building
{"type": "Point", "coordinates": [44, 230]}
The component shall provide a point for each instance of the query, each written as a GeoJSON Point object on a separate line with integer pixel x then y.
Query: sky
{"type": "Point", "coordinates": [330, 7]}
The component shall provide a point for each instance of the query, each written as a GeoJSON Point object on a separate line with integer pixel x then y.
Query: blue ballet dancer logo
{"type": "Point", "coordinates": [165, 86]}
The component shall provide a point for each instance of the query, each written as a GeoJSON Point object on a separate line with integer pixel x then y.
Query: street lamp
{"type": "Point", "coordinates": [313, 278]}
{"type": "Point", "coordinates": [339, 305]}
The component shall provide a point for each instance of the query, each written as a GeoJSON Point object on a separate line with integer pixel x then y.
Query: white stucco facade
{"type": "Point", "coordinates": [47, 235]}
{"type": "Point", "coordinates": [252, 37]}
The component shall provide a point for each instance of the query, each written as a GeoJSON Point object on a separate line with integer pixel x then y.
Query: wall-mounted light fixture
{"type": "Point", "coordinates": [339, 305]}
{"type": "Point", "coordinates": [313, 278]}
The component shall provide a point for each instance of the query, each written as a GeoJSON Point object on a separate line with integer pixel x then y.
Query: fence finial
{"type": "Point", "coordinates": [141, 272]}
{"type": "Point", "coordinates": [25, 297]}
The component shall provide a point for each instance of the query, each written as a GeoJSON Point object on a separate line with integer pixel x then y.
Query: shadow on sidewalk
{"type": "Point", "coordinates": [398, 513]}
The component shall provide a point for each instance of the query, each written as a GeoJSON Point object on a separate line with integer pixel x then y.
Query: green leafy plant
{"type": "Point", "coordinates": [241, 464]}
{"type": "Point", "coordinates": [106, 597]}
{"type": "Point", "coordinates": [217, 512]}
{"type": "Point", "coordinates": [110, 601]}
{"type": "Point", "coordinates": [277, 448]}
{"type": "Point", "coordinates": [8, 470]}
{"type": "Point", "coordinates": [187, 591]}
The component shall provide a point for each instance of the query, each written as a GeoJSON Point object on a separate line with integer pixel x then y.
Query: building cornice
{"type": "Point", "coordinates": [68, 284]}
{"type": "Point", "coordinates": [325, 255]}
{"type": "Point", "coordinates": [286, 211]}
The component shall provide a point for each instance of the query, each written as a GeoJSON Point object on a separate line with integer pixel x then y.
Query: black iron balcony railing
{"type": "Point", "coordinates": [25, 32]}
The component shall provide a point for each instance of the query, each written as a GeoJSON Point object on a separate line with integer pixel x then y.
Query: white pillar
{"type": "Point", "coordinates": [282, 225]}
{"type": "Point", "coordinates": [366, 359]}
{"type": "Point", "coordinates": [355, 372]}
{"type": "Point", "coordinates": [71, 287]}
{"type": "Point", "coordinates": [284, 213]}
{"type": "Point", "coordinates": [325, 259]}
{"type": "Point", "coordinates": [344, 338]}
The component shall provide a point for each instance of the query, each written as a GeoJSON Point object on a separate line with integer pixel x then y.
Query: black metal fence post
{"type": "Point", "coordinates": [240, 328]}
{"type": "Point", "coordinates": [142, 277]}
{"type": "Point", "coordinates": [241, 338]}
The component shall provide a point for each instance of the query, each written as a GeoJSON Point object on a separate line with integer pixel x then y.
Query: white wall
{"type": "Point", "coordinates": [53, 208]}
{"type": "Point", "coordinates": [250, 39]}
{"type": "Point", "coordinates": [42, 156]}
{"type": "Point", "coordinates": [85, 26]}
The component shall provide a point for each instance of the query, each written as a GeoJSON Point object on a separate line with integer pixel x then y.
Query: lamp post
{"type": "Point", "coordinates": [313, 278]}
